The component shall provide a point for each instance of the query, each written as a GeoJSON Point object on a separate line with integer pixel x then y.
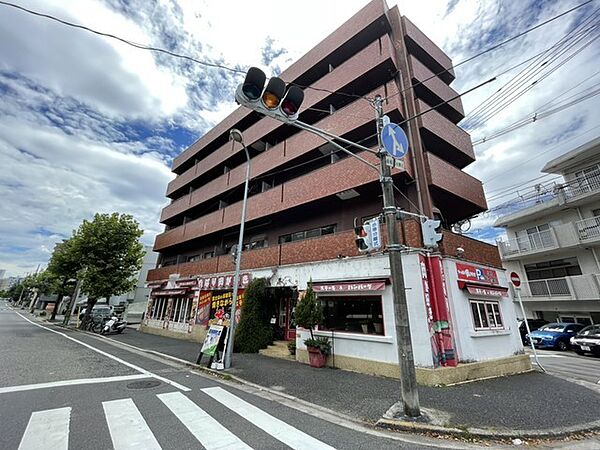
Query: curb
{"type": "Point", "coordinates": [482, 433]}
{"type": "Point", "coordinates": [383, 423]}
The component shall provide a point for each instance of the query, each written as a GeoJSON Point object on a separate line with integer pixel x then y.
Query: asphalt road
{"type": "Point", "coordinates": [62, 389]}
{"type": "Point", "coordinates": [569, 365]}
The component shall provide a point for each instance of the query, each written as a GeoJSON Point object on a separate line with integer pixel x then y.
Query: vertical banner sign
{"type": "Point", "coordinates": [429, 311]}
{"type": "Point", "coordinates": [375, 232]}
{"type": "Point", "coordinates": [438, 311]}
{"type": "Point", "coordinates": [203, 310]}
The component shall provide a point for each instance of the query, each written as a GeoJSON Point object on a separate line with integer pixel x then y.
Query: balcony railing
{"type": "Point", "coordinates": [583, 185]}
{"type": "Point", "coordinates": [532, 242]}
{"type": "Point", "coordinates": [579, 287]}
{"type": "Point", "coordinates": [588, 229]}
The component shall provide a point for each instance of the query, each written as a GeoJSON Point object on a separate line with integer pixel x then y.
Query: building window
{"type": "Point", "coordinates": [486, 315]}
{"type": "Point", "coordinates": [182, 309]}
{"type": "Point", "coordinates": [207, 255]}
{"type": "Point", "coordinates": [193, 258]}
{"type": "Point", "coordinates": [354, 314]}
{"type": "Point", "coordinates": [301, 235]}
{"type": "Point", "coordinates": [258, 243]}
{"type": "Point", "coordinates": [159, 308]}
{"type": "Point", "coordinates": [556, 268]}
{"type": "Point", "coordinates": [169, 262]}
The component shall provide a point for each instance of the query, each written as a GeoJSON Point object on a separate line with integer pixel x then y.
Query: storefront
{"type": "Point", "coordinates": [461, 316]}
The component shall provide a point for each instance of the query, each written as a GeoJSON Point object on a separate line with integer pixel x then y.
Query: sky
{"type": "Point", "coordinates": [89, 124]}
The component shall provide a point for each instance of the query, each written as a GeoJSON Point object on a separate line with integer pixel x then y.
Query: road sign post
{"type": "Point", "coordinates": [515, 279]}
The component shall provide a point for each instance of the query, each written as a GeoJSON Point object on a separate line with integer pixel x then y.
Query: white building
{"type": "Point", "coordinates": [555, 244]}
{"type": "Point", "coordinates": [135, 300]}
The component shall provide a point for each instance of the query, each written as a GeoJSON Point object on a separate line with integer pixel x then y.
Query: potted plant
{"type": "Point", "coordinates": [292, 347]}
{"type": "Point", "coordinates": [365, 326]}
{"type": "Point", "coordinates": [309, 314]}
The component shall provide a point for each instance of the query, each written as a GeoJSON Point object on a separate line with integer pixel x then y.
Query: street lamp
{"type": "Point", "coordinates": [236, 135]}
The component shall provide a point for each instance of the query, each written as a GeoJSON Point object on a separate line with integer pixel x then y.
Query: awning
{"type": "Point", "coordinates": [350, 286]}
{"type": "Point", "coordinates": [169, 292]}
{"type": "Point", "coordinates": [485, 290]}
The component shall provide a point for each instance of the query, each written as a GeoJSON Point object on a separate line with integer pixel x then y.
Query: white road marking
{"type": "Point", "coordinates": [548, 356]}
{"type": "Point", "coordinates": [280, 430]}
{"type": "Point", "coordinates": [114, 358]}
{"type": "Point", "coordinates": [210, 433]}
{"type": "Point", "coordinates": [47, 430]}
{"type": "Point", "coordinates": [52, 384]}
{"type": "Point", "coordinates": [127, 427]}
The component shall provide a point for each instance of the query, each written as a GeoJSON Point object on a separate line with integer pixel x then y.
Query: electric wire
{"type": "Point", "coordinates": [494, 47]}
{"type": "Point", "coordinates": [520, 84]}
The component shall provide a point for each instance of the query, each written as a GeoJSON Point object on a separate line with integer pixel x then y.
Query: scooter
{"type": "Point", "coordinates": [114, 324]}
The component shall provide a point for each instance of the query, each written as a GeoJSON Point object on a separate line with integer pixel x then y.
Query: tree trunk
{"type": "Point", "coordinates": [59, 298]}
{"type": "Point", "coordinates": [88, 312]}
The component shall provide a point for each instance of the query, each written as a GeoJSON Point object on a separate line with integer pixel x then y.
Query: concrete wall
{"type": "Point", "coordinates": [474, 345]}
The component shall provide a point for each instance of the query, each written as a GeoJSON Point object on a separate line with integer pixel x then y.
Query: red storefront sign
{"type": "Point", "coordinates": [468, 272]}
{"type": "Point", "coordinates": [485, 290]}
{"type": "Point", "coordinates": [350, 286]}
{"type": "Point", "coordinates": [169, 292]}
{"type": "Point", "coordinates": [187, 283]}
{"type": "Point", "coordinates": [223, 282]}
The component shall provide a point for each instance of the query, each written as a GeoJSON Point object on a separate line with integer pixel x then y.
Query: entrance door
{"type": "Point", "coordinates": [288, 306]}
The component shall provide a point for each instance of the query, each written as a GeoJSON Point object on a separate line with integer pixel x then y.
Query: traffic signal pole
{"type": "Point", "coordinates": [283, 104]}
{"type": "Point", "coordinates": [406, 360]}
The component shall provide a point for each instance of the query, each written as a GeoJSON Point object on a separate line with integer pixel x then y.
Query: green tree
{"type": "Point", "coordinates": [309, 312]}
{"type": "Point", "coordinates": [254, 330]}
{"type": "Point", "coordinates": [64, 265]}
{"type": "Point", "coordinates": [111, 253]}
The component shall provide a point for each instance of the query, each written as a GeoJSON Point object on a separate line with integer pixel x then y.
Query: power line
{"type": "Point", "coordinates": [537, 116]}
{"type": "Point", "coordinates": [518, 86]}
{"type": "Point", "coordinates": [560, 144]}
{"type": "Point", "coordinates": [529, 30]}
{"type": "Point", "coordinates": [158, 49]}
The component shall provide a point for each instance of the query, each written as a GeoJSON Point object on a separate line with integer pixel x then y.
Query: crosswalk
{"type": "Point", "coordinates": [49, 429]}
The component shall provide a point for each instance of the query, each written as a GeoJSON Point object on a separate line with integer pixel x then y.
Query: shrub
{"type": "Point", "coordinates": [254, 331]}
{"type": "Point", "coordinates": [322, 343]}
{"type": "Point", "coordinates": [309, 312]}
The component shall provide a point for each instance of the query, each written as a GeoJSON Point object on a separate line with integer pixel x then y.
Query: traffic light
{"type": "Point", "coordinates": [368, 235]}
{"type": "Point", "coordinates": [432, 234]}
{"type": "Point", "coordinates": [277, 100]}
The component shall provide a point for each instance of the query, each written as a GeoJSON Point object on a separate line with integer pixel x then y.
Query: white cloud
{"type": "Point", "coordinates": [88, 124]}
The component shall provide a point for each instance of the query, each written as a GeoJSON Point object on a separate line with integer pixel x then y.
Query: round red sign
{"type": "Point", "coordinates": [515, 279]}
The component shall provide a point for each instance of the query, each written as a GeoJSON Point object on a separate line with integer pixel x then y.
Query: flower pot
{"type": "Point", "coordinates": [365, 328]}
{"type": "Point", "coordinates": [316, 358]}
{"type": "Point", "coordinates": [378, 328]}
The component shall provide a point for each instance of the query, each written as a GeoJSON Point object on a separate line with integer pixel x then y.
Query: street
{"type": "Point", "coordinates": [62, 389]}
{"type": "Point", "coordinates": [568, 364]}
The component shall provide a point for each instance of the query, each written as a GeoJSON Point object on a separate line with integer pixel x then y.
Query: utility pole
{"type": "Point", "coordinates": [72, 303]}
{"type": "Point", "coordinates": [406, 360]}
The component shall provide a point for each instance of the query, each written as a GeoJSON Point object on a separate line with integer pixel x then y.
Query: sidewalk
{"type": "Point", "coordinates": [527, 405]}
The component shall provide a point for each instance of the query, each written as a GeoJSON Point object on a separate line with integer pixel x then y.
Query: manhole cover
{"type": "Point", "coordinates": [143, 384]}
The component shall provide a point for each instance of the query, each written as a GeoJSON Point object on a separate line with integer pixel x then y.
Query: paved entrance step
{"type": "Point", "coordinates": [279, 350]}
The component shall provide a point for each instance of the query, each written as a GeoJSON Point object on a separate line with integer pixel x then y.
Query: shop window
{"type": "Point", "coordinates": [486, 315]}
{"type": "Point", "coordinates": [182, 309]}
{"type": "Point", "coordinates": [354, 314]}
{"type": "Point", "coordinates": [159, 308]}
{"type": "Point", "coordinates": [306, 234]}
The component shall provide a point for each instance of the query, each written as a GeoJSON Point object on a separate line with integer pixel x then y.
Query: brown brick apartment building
{"type": "Point", "coordinates": [304, 195]}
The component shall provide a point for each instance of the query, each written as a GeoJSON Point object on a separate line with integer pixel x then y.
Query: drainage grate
{"type": "Point", "coordinates": [143, 384]}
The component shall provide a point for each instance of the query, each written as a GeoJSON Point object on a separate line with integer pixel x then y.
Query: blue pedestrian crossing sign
{"type": "Point", "coordinates": [394, 140]}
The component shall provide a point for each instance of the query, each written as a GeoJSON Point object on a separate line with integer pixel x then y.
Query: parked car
{"type": "Point", "coordinates": [587, 340]}
{"type": "Point", "coordinates": [555, 335]}
{"type": "Point", "coordinates": [534, 324]}
{"type": "Point", "coordinates": [103, 311]}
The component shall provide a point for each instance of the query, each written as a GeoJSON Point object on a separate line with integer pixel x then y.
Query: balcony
{"type": "Point", "coordinates": [580, 287]}
{"type": "Point", "coordinates": [583, 232]}
{"type": "Point", "coordinates": [588, 230]}
{"type": "Point", "coordinates": [580, 187]}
